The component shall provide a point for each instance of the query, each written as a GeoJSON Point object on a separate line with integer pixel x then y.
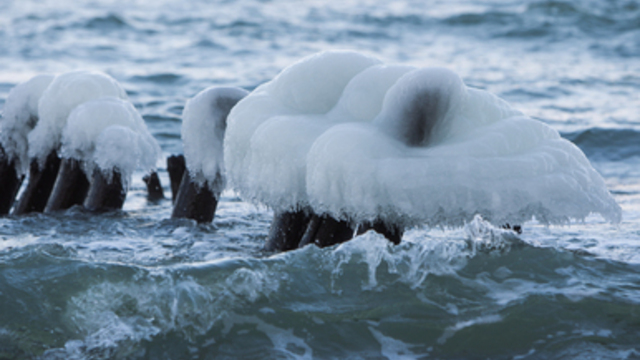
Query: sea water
{"type": "Point", "coordinates": [135, 284]}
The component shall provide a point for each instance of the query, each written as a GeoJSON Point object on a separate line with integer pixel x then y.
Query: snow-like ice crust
{"type": "Point", "coordinates": [204, 121]}
{"type": "Point", "coordinates": [359, 140]}
{"type": "Point", "coordinates": [20, 116]}
{"type": "Point", "coordinates": [65, 92]}
{"type": "Point", "coordinates": [110, 133]}
{"type": "Point", "coordinates": [270, 131]}
{"type": "Point", "coordinates": [122, 148]}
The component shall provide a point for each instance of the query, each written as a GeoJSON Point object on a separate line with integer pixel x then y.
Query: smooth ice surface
{"type": "Point", "coordinates": [204, 121]}
{"type": "Point", "coordinates": [435, 152]}
{"type": "Point", "coordinates": [19, 117]}
{"type": "Point", "coordinates": [111, 133]}
{"type": "Point", "coordinates": [271, 130]}
{"type": "Point", "coordinates": [65, 92]}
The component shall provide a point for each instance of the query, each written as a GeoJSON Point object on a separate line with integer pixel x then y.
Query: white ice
{"type": "Point", "coordinates": [65, 92]}
{"type": "Point", "coordinates": [270, 131]}
{"type": "Point", "coordinates": [110, 133]}
{"type": "Point", "coordinates": [359, 140]}
{"type": "Point", "coordinates": [20, 116]}
{"type": "Point", "coordinates": [122, 148]}
{"type": "Point", "coordinates": [204, 121]}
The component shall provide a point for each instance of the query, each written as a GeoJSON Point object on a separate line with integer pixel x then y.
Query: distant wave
{"type": "Point", "coordinates": [607, 144]}
{"type": "Point", "coordinates": [541, 18]}
{"type": "Point", "coordinates": [558, 19]}
{"type": "Point", "coordinates": [110, 21]}
{"type": "Point", "coordinates": [166, 78]}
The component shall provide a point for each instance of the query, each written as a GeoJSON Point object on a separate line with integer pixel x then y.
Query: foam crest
{"type": "Point", "coordinates": [250, 285]}
{"type": "Point", "coordinates": [113, 318]}
{"type": "Point", "coordinates": [384, 264]}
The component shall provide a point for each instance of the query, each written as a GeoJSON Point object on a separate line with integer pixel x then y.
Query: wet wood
{"type": "Point", "coordinates": [10, 183]}
{"type": "Point", "coordinates": [39, 186]}
{"type": "Point", "coordinates": [71, 187]}
{"type": "Point", "coordinates": [105, 194]}
{"type": "Point", "coordinates": [194, 202]}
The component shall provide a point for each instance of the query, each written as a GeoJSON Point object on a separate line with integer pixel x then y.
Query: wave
{"type": "Point", "coordinates": [540, 18]}
{"type": "Point", "coordinates": [601, 144]}
{"type": "Point", "coordinates": [591, 17]}
{"type": "Point", "coordinates": [107, 22]}
{"type": "Point", "coordinates": [478, 292]}
{"type": "Point", "coordinates": [163, 78]}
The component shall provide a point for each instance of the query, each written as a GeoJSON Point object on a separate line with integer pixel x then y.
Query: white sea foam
{"type": "Point", "coordinates": [20, 116]}
{"type": "Point", "coordinates": [391, 348]}
{"type": "Point", "coordinates": [65, 92]}
{"type": "Point", "coordinates": [284, 341]}
{"type": "Point", "coordinates": [358, 140]}
{"type": "Point", "coordinates": [110, 133]}
{"type": "Point", "coordinates": [204, 121]}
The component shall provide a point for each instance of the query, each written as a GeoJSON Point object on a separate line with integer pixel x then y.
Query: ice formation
{"type": "Point", "coordinates": [204, 121]}
{"type": "Point", "coordinates": [270, 131]}
{"type": "Point", "coordinates": [109, 133]}
{"type": "Point", "coordinates": [65, 92]}
{"type": "Point", "coordinates": [361, 141]}
{"type": "Point", "coordinates": [20, 116]}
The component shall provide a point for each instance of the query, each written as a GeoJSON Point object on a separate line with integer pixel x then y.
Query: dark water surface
{"type": "Point", "coordinates": [134, 284]}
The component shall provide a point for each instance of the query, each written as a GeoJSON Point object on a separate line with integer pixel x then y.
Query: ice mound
{"type": "Point", "coordinates": [365, 142]}
{"type": "Point", "coordinates": [270, 131]}
{"type": "Point", "coordinates": [204, 121]}
{"type": "Point", "coordinates": [65, 92]}
{"type": "Point", "coordinates": [20, 116]}
{"type": "Point", "coordinates": [110, 133]}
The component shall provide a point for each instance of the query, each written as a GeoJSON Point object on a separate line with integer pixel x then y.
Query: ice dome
{"type": "Point", "coordinates": [65, 92]}
{"type": "Point", "coordinates": [204, 121]}
{"type": "Point", "coordinates": [439, 153]}
{"type": "Point", "coordinates": [20, 116]}
{"type": "Point", "coordinates": [271, 130]}
{"type": "Point", "coordinates": [405, 146]}
{"type": "Point", "coordinates": [109, 132]}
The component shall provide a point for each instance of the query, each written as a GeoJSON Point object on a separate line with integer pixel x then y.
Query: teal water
{"type": "Point", "coordinates": [135, 284]}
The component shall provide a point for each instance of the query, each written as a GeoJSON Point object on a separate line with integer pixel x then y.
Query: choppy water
{"type": "Point", "coordinates": [134, 284]}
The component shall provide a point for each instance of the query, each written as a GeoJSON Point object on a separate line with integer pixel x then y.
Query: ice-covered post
{"type": "Point", "coordinates": [20, 116]}
{"type": "Point", "coordinates": [105, 140]}
{"type": "Point", "coordinates": [439, 153]}
{"type": "Point", "coordinates": [63, 94]}
{"type": "Point", "coordinates": [203, 128]}
{"type": "Point", "coordinates": [339, 141]}
{"type": "Point", "coordinates": [272, 130]}
{"type": "Point", "coordinates": [119, 150]}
